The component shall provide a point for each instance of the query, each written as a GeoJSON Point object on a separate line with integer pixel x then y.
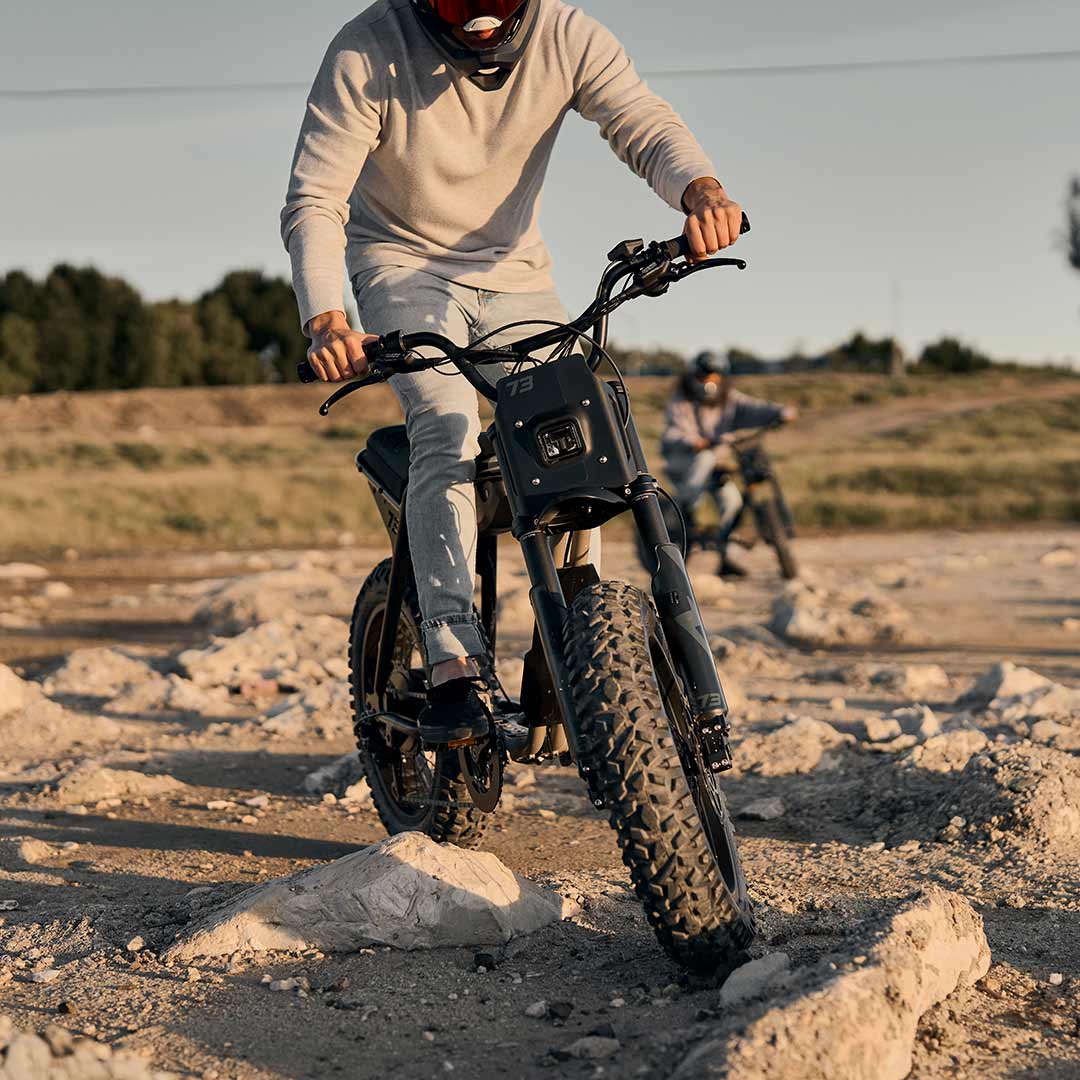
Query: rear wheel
{"type": "Point", "coordinates": [414, 789]}
{"type": "Point", "coordinates": [670, 816]}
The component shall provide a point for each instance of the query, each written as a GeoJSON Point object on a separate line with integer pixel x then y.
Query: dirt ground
{"type": "Point", "coordinates": [857, 834]}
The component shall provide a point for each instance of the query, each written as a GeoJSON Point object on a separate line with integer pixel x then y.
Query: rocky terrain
{"type": "Point", "coordinates": [193, 881]}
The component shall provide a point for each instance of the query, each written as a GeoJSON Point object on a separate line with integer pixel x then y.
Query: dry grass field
{"type": "Point", "coordinates": [158, 470]}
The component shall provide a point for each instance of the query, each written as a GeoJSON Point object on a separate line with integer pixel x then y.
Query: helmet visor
{"type": "Point", "coordinates": [459, 13]}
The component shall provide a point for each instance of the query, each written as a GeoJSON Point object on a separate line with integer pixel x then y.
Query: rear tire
{"type": "Point", "coordinates": [688, 879]}
{"type": "Point", "coordinates": [413, 789]}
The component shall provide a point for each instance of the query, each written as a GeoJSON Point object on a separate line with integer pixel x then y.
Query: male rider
{"type": "Point", "coordinates": [705, 411]}
{"type": "Point", "coordinates": [422, 153]}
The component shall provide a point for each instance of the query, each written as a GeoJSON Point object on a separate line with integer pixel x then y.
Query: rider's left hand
{"type": "Point", "coordinates": [712, 219]}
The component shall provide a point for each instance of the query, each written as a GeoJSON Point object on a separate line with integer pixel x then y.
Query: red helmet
{"type": "Point", "coordinates": [487, 67]}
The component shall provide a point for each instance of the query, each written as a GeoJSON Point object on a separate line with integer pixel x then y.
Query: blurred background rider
{"type": "Point", "coordinates": [700, 420]}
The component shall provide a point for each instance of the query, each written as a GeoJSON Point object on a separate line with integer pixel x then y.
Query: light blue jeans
{"type": "Point", "coordinates": [692, 474]}
{"type": "Point", "coordinates": [443, 422]}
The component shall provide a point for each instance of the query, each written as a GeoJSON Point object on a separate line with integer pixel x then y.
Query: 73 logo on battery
{"type": "Point", "coordinates": [519, 386]}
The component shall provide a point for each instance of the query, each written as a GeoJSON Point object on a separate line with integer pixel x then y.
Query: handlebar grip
{"type": "Point", "coordinates": [306, 373]}
{"type": "Point", "coordinates": [680, 246]}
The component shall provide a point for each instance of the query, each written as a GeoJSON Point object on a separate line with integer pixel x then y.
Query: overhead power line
{"type": "Point", "coordinates": [809, 68]}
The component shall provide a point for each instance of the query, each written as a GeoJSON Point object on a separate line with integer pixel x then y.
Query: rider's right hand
{"type": "Point", "coordinates": [337, 351]}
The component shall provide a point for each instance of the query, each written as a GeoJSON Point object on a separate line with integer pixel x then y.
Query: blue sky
{"type": "Point", "coordinates": [923, 200]}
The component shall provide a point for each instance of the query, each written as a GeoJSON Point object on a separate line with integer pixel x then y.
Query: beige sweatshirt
{"type": "Point", "coordinates": [402, 161]}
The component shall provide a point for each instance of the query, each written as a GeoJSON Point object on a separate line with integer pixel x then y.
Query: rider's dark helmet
{"type": "Point", "coordinates": [705, 376]}
{"type": "Point", "coordinates": [487, 68]}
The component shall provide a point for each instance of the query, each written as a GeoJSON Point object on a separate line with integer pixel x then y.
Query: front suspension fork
{"type": "Point", "coordinates": [683, 627]}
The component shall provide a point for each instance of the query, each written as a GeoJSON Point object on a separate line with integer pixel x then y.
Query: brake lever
{"type": "Point", "coordinates": [677, 271]}
{"type": "Point", "coordinates": [379, 374]}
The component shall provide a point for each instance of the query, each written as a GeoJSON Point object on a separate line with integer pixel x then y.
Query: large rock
{"type": "Point", "coordinates": [59, 1055]}
{"type": "Point", "coordinates": [797, 747]}
{"type": "Point", "coordinates": [97, 673]}
{"type": "Point", "coordinates": [860, 1024]}
{"type": "Point", "coordinates": [324, 712]}
{"type": "Point", "coordinates": [243, 602]}
{"type": "Point", "coordinates": [21, 571]}
{"type": "Point", "coordinates": [407, 892]}
{"type": "Point", "coordinates": [343, 777]}
{"type": "Point", "coordinates": [288, 650]}
{"type": "Point", "coordinates": [90, 781]}
{"type": "Point", "coordinates": [817, 617]}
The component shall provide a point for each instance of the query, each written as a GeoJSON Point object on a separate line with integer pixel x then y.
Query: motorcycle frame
{"type": "Point", "coordinates": [606, 422]}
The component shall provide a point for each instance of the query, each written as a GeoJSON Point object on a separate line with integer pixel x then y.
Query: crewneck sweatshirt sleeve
{"type": "Point", "coordinates": [644, 130]}
{"type": "Point", "coordinates": [341, 127]}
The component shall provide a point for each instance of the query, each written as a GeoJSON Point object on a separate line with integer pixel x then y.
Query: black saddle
{"type": "Point", "coordinates": [385, 460]}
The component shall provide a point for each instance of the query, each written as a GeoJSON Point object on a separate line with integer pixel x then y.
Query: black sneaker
{"type": "Point", "coordinates": [454, 712]}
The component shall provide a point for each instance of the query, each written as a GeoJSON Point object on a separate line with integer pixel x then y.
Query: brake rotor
{"type": "Point", "coordinates": [482, 770]}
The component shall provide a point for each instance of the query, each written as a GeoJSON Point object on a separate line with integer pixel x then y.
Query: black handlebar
{"type": "Point", "coordinates": [676, 248]}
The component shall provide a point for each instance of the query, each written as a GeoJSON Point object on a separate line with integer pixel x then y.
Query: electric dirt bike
{"type": "Point", "coordinates": [619, 683]}
{"type": "Point", "coordinates": [763, 498]}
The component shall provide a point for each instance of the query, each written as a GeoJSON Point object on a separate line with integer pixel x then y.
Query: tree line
{"type": "Point", "coordinates": [80, 329]}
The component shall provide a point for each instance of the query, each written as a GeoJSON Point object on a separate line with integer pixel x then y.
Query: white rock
{"type": "Point", "coordinates": [20, 571]}
{"type": "Point", "coordinates": [57, 590]}
{"type": "Point", "coordinates": [91, 782]}
{"type": "Point", "coordinates": [324, 712]}
{"type": "Point", "coordinates": [47, 975]}
{"type": "Point", "coordinates": [949, 752]}
{"type": "Point", "coordinates": [537, 1010]}
{"type": "Point", "coordinates": [97, 672]}
{"type": "Point", "coordinates": [881, 728]}
{"type": "Point", "coordinates": [798, 747]}
{"type": "Point", "coordinates": [1004, 680]}
{"type": "Point", "coordinates": [407, 892]}
{"type": "Point", "coordinates": [593, 1048]}
{"type": "Point", "coordinates": [753, 979]}
{"type": "Point", "coordinates": [248, 601]}
{"type": "Point", "coordinates": [914, 681]}
{"type": "Point", "coordinates": [335, 776]}
{"type": "Point", "coordinates": [763, 809]}
{"type": "Point", "coordinates": [1059, 556]}
{"type": "Point", "coordinates": [815, 616]}
{"type": "Point", "coordinates": [258, 801]}
{"type": "Point", "coordinates": [918, 720]}
{"type": "Point", "coordinates": [269, 651]}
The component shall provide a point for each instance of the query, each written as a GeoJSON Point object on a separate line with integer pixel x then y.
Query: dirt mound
{"type": "Point", "coordinates": [819, 617]}
{"type": "Point", "coordinates": [45, 727]}
{"type": "Point", "coordinates": [15, 692]}
{"type": "Point", "coordinates": [858, 1021]}
{"type": "Point", "coordinates": [798, 747]}
{"type": "Point", "coordinates": [407, 892]}
{"type": "Point", "coordinates": [914, 681]}
{"type": "Point", "coordinates": [56, 1054]}
{"type": "Point", "coordinates": [248, 601]}
{"type": "Point", "coordinates": [1021, 794]}
{"type": "Point", "coordinates": [950, 751]}
{"type": "Point", "coordinates": [91, 782]}
{"type": "Point", "coordinates": [170, 694]}
{"type": "Point", "coordinates": [325, 711]}
{"type": "Point", "coordinates": [294, 651]}
{"type": "Point", "coordinates": [1003, 681]}
{"type": "Point", "coordinates": [97, 673]}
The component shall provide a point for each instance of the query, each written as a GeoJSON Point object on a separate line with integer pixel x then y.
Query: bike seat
{"type": "Point", "coordinates": [386, 459]}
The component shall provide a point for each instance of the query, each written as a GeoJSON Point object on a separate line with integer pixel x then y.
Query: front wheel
{"type": "Point", "coordinates": [671, 820]}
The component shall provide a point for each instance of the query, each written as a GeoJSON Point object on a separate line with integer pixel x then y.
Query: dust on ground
{"type": "Point", "coordinates": [149, 779]}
